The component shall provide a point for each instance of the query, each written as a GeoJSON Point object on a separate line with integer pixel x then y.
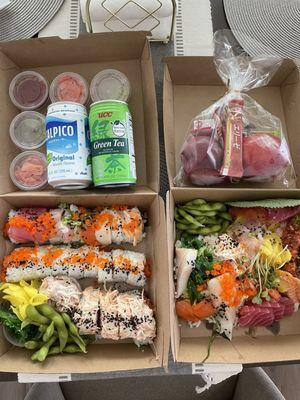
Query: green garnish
{"type": "Point", "coordinates": [13, 324]}
{"type": "Point", "coordinates": [204, 262]}
{"type": "Point", "coordinates": [216, 330]}
{"type": "Point", "coordinates": [193, 294]}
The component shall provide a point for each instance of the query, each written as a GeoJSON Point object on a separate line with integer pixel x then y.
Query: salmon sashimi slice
{"type": "Point", "coordinates": [250, 214]}
{"type": "Point", "coordinates": [289, 285]}
{"type": "Point", "coordinates": [194, 312]}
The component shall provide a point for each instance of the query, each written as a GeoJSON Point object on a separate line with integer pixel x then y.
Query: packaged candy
{"type": "Point", "coordinates": [235, 139]}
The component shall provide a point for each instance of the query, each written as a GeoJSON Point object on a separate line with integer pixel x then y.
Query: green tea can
{"type": "Point", "coordinates": [112, 144]}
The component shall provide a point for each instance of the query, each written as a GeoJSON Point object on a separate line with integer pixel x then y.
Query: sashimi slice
{"type": "Point", "coordinates": [289, 285]}
{"type": "Point", "coordinates": [226, 314]}
{"type": "Point", "coordinates": [185, 262]}
{"type": "Point", "coordinates": [20, 223]}
{"type": "Point", "coordinates": [194, 312]}
{"type": "Point", "coordinates": [289, 306]}
{"type": "Point", "coordinates": [249, 214]}
{"type": "Point", "coordinates": [266, 313]}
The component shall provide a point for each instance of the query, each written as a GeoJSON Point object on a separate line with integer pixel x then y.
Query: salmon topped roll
{"type": "Point", "coordinates": [71, 224]}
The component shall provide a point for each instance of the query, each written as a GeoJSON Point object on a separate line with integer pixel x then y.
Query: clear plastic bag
{"type": "Point", "coordinates": [235, 139]}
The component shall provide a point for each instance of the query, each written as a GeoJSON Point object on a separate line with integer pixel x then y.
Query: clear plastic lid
{"type": "Point", "coordinates": [28, 90]}
{"type": "Point", "coordinates": [27, 130]}
{"type": "Point", "coordinates": [69, 86]}
{"type": "Point", "coordinates": [28, 170]}
{"type": "Point", "coordinates": [110, 84]}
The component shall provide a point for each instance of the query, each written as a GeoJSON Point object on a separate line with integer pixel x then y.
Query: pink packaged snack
{"type": "Point", "coordinates": [236, 139]}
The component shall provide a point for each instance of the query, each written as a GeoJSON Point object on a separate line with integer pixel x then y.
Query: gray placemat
{"type": "Point", "coordinates": [23, 19]}
{"type": "Point", "coordinates": [266, 26]}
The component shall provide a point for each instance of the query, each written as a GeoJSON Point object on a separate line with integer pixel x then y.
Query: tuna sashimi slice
{"type": "Point", "coordinates": [266, 313]}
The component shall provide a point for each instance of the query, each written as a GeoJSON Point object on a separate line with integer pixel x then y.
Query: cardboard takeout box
{"type": "Point", "coordinates": [128, 52]}
{"type": "Point", "coordinates": [191, 344]}
{"type": "Point", "coordinates": [191, 84]}
{"type": "Point", "coordinates": [102, 357]}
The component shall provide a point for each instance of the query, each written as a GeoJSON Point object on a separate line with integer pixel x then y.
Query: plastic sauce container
{"type": "Point", "coordinates": [28, 90]}
{"type": "Point", "coordinates": [28, 131]}
{"type": "Point", "coordinates": [110, 84]}
{"type": "Point", "coordinates": [28, 170]}
{"type": "Point", "coordinates": [69, 86]}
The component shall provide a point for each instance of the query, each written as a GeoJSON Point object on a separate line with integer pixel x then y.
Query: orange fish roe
{"type": "Point", "coordinates": [21, 257]}
{"type": "Point", "coordinates": [49, 258]}
{"type": "Point", "coordinates": [99, 220]}
{"type": "Point", "coordinates": [90, 257]}
{"type": "Point", "coordinates": [222, 268]}
{"type": "Point", "coordinates": [125, 262]}
{"type": "Point", "coordinates": [18, 221]}
{"type": "Point", "coordinates": [45, 225]}
{"type": "Point", "coordinates": [101, 262]}
{"type": "Point", "coordinates": [231, 293]}
{"type": "Point", "coordinates": [133, 224]}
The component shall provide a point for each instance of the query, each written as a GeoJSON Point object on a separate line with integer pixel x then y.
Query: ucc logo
{"type": "Point", "coordinates": [105, 114]}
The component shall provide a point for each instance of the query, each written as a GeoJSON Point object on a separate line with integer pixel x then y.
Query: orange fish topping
{"type": "Point", "coordinates": [49, 258]}
{"type": "Point", "coordinates": [44, 224]}
{"type": "Point", "coordinates": [21, 255]}
{"type": "Point", "coordinates": [222, 268]}
{"type": "Point", "coordinates": [231, 293]}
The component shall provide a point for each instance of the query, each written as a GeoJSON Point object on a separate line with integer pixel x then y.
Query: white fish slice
{"type": "Point", "coordinates": [226, 315]}
{"type": "Point", "coordinates": [185, 261]}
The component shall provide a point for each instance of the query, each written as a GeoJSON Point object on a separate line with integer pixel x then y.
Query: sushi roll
{"type": "Point", "coordinates": [22, 264]}
{"type": "Point", "coordinates": [102, 226]}
{"type": "Point", "coordinates": [71, 224]}
{"type": "Point", "coordinates": [109, 319]}
{"type": "Point", "coordinates": [104, 267]}
{"type": "Point", "coordinates": [128, 267]}
{"type": "Point", "coordinates": [50, 260]}
{"type": "Point", "coordinates": [136, 319]}
{"type": "Point", "coordinates": [132, 226]}
{"type": "Point", "coordinates": [72, 263]}
{"type": "Point", "coordinates": [117, 227]}
{"type": "Point", "coordinates": [62, 232]}
{"type": "Point", "coordinates": [85, 262]}
{"type": "Point", "coordinates": [87, 315]}
{"type": "Point", "coordinates": [127, 225]}
{"type": "Point", "coordinates": [65, 292]}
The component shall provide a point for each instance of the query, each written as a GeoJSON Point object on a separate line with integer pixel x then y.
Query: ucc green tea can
{"type": "Point", "coordinates": [112, 144]}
